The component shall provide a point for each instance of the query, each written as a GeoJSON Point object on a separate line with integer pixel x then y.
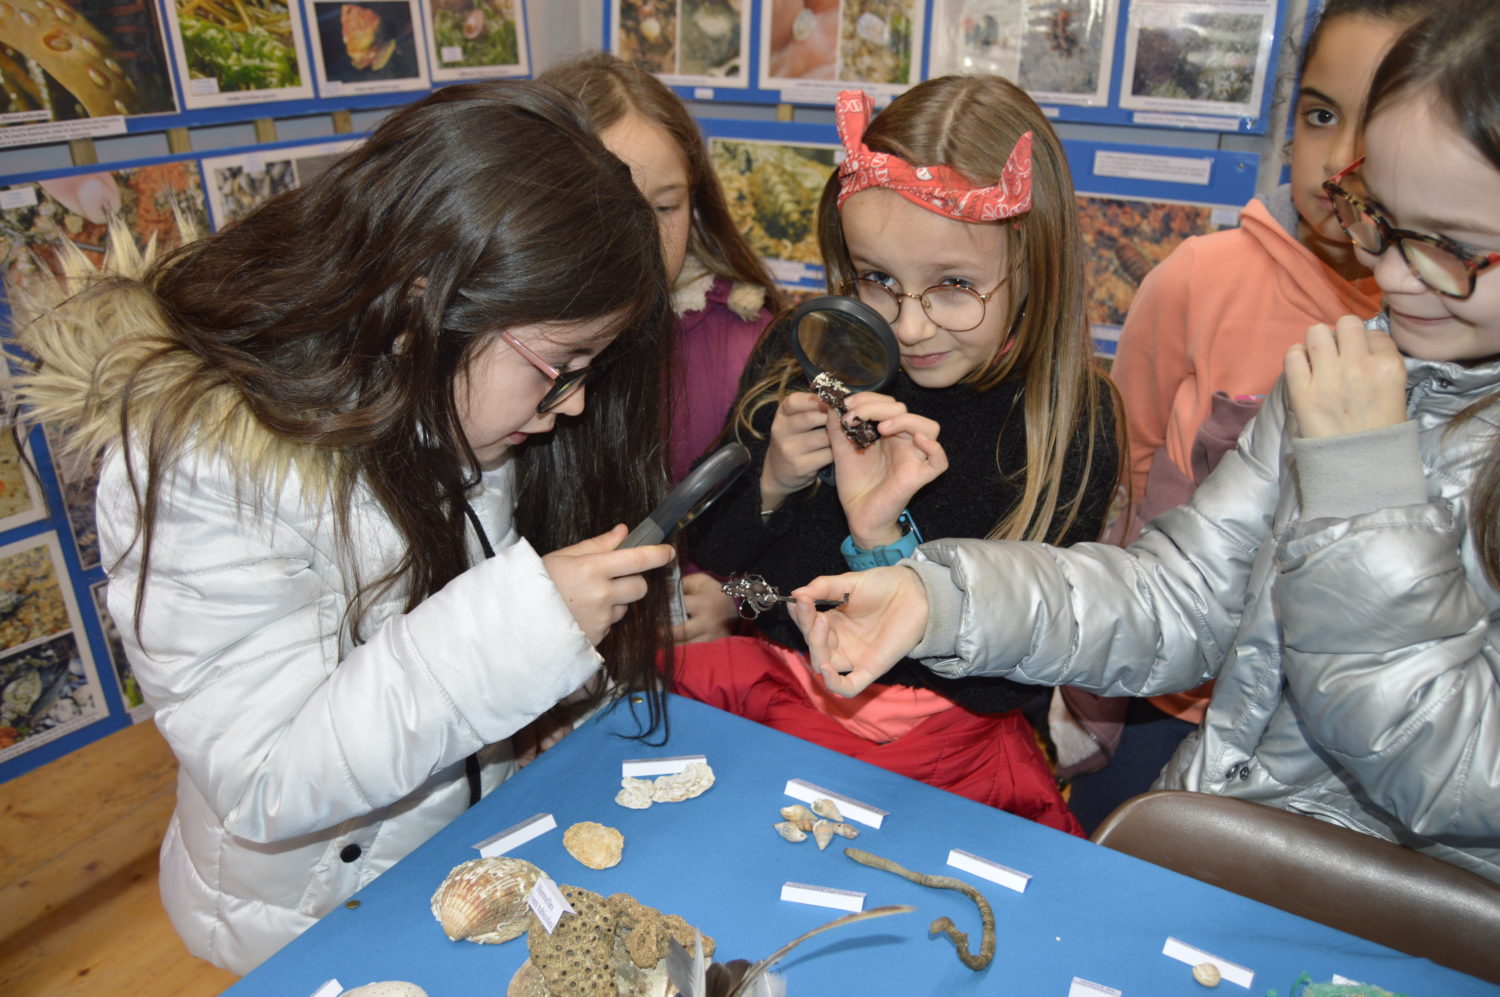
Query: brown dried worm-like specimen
{"type": "Point", "coordinates": [945, 925]}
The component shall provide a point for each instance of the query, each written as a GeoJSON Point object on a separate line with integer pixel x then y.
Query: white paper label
{"type": "Point", "coordinates": [1208, 121]}
{"type": "Point", "coordinates": [790, 271]}
{"type": "Point", "coordinates": [1185, 953]}
{"type": "Point", "coordinates": [25, 117]}
{"type": "Point", "coordinates": [547, 903]}
{"type": "Point", "coordinates": [985, 869]}
{"type": "Point", "coordinates": [822, 896]}
{"type": "Point", "coordinates": [330, 989]}
{"type": "Point", "coordinates": [18, 197]}
{"type": "Point", "coordinates": [644, 768]}
{"type": "Point", "coordinates": [703, 93]}
{"type": "Point", "coordinates": [451, 53]}
{"type": "Point", "coordinates": [203, 86]}
{"type": "Point", "coordinates": [1225, 217]}
{"type": "Point", "coordinates": [1087, 988]}
{"type": "Point", "coordinates": [1051, 112]}
{"type": "Point", "coordinates": [852, 809]}
{"type": "Point", "coordinates": [1148, 166]}
{"type": "Point", "coordinates": [62, 131]}
{"type": "Point", "coordinates": [518, 834]}
{"type": "Point", "coordinates": [255, 162]}
{"type": "Point", "coordinates": [332, 88]}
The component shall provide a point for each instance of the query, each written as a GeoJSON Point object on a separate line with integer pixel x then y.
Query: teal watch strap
{"type": "Point", "coordinates": [859, 559]}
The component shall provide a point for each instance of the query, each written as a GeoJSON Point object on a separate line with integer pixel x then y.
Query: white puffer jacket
{"type": "Point", "coordinates": [309, 765]}
{"type": "Point", "coordinates": [1357, 656]}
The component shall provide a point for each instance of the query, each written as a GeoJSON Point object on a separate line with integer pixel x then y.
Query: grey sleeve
{"type": "Point", "coordinates": [1339, 477]}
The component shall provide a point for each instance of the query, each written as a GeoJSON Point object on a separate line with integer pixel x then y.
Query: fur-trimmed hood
{"type": "Point", "coordinates": [93, 335]}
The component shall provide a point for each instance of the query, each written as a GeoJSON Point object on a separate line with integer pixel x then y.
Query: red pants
{"type": "Point", "coordinates": [992, 759]}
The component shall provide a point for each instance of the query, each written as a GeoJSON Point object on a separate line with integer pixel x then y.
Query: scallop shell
{"type": "Point", "coordinates": [823, 833]}
{"type": "Point", "coordinates": [825, 807]}
{"type": "Point", "coordinates": [790, 831]}
{"type": "Point", "coordinates": [1207, 974]}
{"type": "Point", "coordinates": [484, 900]}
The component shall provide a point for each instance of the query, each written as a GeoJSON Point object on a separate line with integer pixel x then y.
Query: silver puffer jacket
{"type": "Point", "coordinates": [1356, 659]}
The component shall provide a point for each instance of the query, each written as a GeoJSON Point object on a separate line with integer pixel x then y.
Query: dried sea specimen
{"type": "Point", "coordinates": [595, 845]}
{"type": "Point", "coordinates": [1207, 974]}
{"type": "Point", "coordinates": [823, 833]}
{"type": "Point", "coordinates": [799, 815]}
{"type": "Point", "coordinates": [825, 807]}
{"type": "Point", "coordinates": [484, 900]}
{"type": "Point", "coordinates": [639, 794]}
{"type": "Point", "coordinates": [790, 831]}
{"type": "Point", "coordinates": [387, 988]}
{"type": "Point", "coordinates": [944, 925]}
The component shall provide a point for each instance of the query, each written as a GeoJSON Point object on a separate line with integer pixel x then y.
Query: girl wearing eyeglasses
{"type": "Point", "coordinates": [953, 216]}
{"type": "Point", "coordinates": [1338, 573]}
{"type": "Point", "coordinates": [357, 506]}
{"type": "Point", "coordinates": [1204, 341]}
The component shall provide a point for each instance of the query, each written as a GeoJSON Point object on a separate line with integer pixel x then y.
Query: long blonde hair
{"type": "Point", "coordinates": [971, 123]}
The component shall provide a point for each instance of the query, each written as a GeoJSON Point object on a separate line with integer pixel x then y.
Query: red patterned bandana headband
{"type": "Point", "coordinates": [939, 189]}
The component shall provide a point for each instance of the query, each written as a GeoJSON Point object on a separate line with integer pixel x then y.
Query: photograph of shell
{"type": "Point", "coordinates": [369, 47]}
{"type": "Point", "coordinates": [686, 42]}
{"type": "Point", "coordinates": [238, 183]}
{"type": "Point", "coordinates": [239, 51]}
{"type": "Point", "coordinates": [1125, 238]}
{"type": "Point", "coordinates": [48, 685]}
{"type": "Point", "coordinates": [130, 689]}
{"type": "Point", "coordinates": [78, 477]}
{"type": "Point", "coordinates": [1059, 51]}
{"type": "Point", "coordinates": [873, 42]}
{"type": "Point", "coordinates": [468, 39]}
{"type": "Point", "coordinates": [21, 500]}
{"type": "Point", "coordinates": [773, 190]}
{"type": "Point", "coordinates": [1197, 58]}
{"type": "Point", "coordinates": [153, 200]}
{"type": "Point", "coordinates": [63, 61]}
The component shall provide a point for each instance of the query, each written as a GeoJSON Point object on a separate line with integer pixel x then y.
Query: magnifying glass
{"type": "Point", "coordinates": [844, 346]}
{"type": "Point", "coordinates": [695, 493]}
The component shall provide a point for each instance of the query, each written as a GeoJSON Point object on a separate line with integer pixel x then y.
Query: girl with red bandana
{"type": "Point", "coordinates": [952, 216]}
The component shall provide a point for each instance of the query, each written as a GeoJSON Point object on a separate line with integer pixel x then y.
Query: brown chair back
{"type": "Point", "coordinates": [1355, 882]}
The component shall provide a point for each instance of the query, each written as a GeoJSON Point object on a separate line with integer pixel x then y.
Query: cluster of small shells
{"type": "Point", "coordinates": [823, 821]}
{"type": "Point", "coordinates": [638, 794]}
{"type": "Point", "coordinates": [595, 845]}
{"type": "Point", "coordinates": [484, 900]}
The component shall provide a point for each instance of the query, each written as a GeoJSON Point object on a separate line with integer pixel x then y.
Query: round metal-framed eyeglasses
{"type": "Point", "coordinates": [952, 307]}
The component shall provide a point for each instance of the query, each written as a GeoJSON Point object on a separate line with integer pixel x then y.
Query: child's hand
{"type": "Point", "coordinates": [1345, 380]}
{"type": "Point", "coordinates": [877, 483]}
{"type": "Point", "coordinates": [857, 643]}
{"type": "Point", "coordinates": [599, 582]}
{"type": "Point", "coordinates": [710, 613]}
{"type": "Point", "coordinates": [798, 450]}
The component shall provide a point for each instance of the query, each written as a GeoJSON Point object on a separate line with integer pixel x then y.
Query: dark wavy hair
{"type": "Point", "coordinates": [343, 313]}
{"type": "Point", "coordinates": [1452, 60]}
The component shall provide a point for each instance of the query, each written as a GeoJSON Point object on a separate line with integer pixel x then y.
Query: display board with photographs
{"type": "Point", "coordinates": [685, 42]}
{"type": "Point", "coordinates": [476, 39]}
{"type": "Point", "coordinates": [813, 48]}
{"type": "Point", "coordinates": [370, 47]}
{"type": "Point", "coordinates": [1138, 203]}
{"type": "Point", "coordinates": [77, 68]}
{"type": "Point", "coordinates": [1059, 51]}
{"type": "Point", "coordinates": [1197, 57]}
{"type": "Point", "coordinates": [238, 182]}
{"type": "Point", "coordinates": [239, 51]}
{"type": "Point", "coordinates": [773, 175]}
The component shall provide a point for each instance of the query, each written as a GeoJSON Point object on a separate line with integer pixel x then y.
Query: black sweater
{"type": "Point", "coordinates": [801, 540]}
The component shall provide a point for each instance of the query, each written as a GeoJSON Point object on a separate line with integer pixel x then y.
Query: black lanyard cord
{"type": "Point", "coordinates": [471, 764]}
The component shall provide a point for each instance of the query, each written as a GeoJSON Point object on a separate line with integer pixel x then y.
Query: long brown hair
{"type": "Point", "coordinates": [611, 89]}
{"type": "Point", "coordinates": [1452, 58]}
{"type": "Point", "coordinates": [971, 123]}
{"type": "Point", "coordinates": [341, 314]}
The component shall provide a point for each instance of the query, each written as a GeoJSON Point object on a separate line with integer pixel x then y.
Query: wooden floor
{"type": "Point", "coordinates": [79, 910]}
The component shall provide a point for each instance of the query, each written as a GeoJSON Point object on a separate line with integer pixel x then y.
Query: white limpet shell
{"type": "Point", "coordinates": [484, 900]}
{"type": "Point", "coordinates": [387, 988]}
{"type": "Point", "coordinates": [1207, 974]}
{"type": "Point", "coordinates": [825, 807]}
{"type": "Point", "coordinates": [790, 831]}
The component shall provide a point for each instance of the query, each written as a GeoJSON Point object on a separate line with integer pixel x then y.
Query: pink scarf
{"type": "Point", "coordinates": [939, 189]}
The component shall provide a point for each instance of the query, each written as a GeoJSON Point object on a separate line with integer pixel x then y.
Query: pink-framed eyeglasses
{"type": "Point", "coordinates": [564, 382]}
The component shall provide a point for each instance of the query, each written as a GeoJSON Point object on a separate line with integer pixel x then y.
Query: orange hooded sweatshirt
{"type": "Point", "coordinates": [1204, 342]}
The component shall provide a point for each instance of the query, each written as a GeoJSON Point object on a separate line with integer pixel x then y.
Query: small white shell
{"type": "Point", "coordinates": [824, 807]}
{"type": "Point", "coordinates": [1207, 974]}
{"type": "Point", "coordinates": [790, 831]}
{"type": "Point", "coordinates": [799, 815]}
{"type": "Point", "coordinates": [484, 900]}
{"type": "Point", "coordinates": [823, 833]}
{"type": "Point", "coordinates": [846, 830]}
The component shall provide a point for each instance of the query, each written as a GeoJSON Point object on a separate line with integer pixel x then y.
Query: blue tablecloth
{"type": "Point", "coordinates": [1088, 912]}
